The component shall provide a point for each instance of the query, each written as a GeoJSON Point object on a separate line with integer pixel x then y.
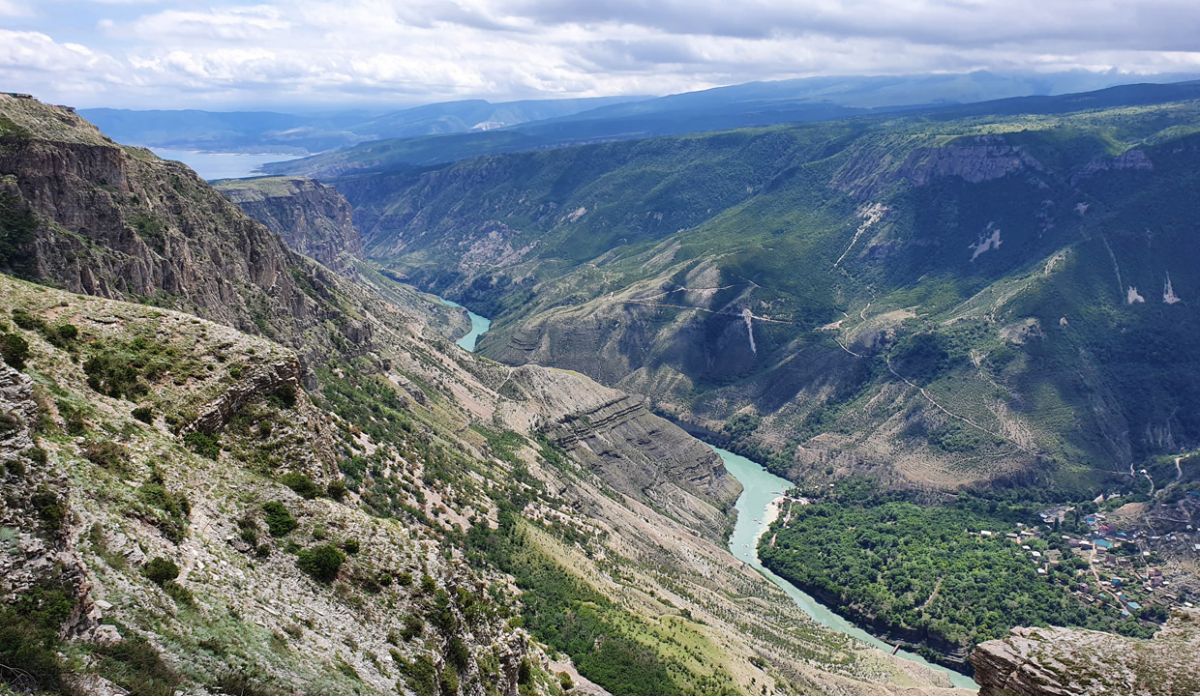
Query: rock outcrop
{"type": "Point", "coordinates": [120, 223]}
{"type": "Point", "coordinates": [1058, 661]}
{"type": "Point", "coordinates": [312, 218]}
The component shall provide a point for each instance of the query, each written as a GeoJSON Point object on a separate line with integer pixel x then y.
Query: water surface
{"type": "Point", "coordinates": [759, 489]}
{"type": "Point", "coordinates": [223, 165]}
{"type": "Point", "coordinates": [479, 326]}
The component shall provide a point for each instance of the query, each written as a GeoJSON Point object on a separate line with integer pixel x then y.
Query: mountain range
{"type": "Point", "coordinates": [242, 453]}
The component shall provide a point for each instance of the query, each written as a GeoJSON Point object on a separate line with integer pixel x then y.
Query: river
{"type": "Point", "coordinates": [759, 489]}
{"type": "Point", "coordinates": [479, 325]}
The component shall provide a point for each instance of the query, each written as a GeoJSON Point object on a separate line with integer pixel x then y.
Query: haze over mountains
{"type": "Point", "coordinates": [561, 119]}
{"type": "Point", "coordinates": [242, 453]}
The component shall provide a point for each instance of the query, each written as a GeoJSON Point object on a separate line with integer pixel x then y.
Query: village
{"type": "Point", "coordinates": [1126, 557]}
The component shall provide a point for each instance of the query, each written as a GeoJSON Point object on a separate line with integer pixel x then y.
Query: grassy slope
{"type": "Point", "coordinates": [774, 209]}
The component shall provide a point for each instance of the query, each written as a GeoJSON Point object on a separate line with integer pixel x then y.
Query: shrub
{"type": "Point", "coordinates": [301, 484]}
{"type": "Point", "coordinates": [283, 397]}
{"type": "Point", "coordinates": [9, 423]}
{"type": "Point", "coordinates": [38, 455]}
{"type": "Point", "coordinates": [322, 562]}
{"type": "Point", "coordinates": [105, 453]}
{"type": "Point", "coordinates": [279, 520]}
{"type": "Point", "coordinates": [204, 444]}
{"type": "Point", "coordinates": [62, 335]}
{"type": "Point", "coordinates": [23, 319]}
{"type": "Point", "coordinates": [336, 490]}
{"type": "Point", "coordinates": [144, 414]}
{"type": "Point", "coordinates": [166, 510]}
{"type": "Point", "coordinates": [350, 545]}
{"type": "Point", "coordinates": [160, 570]}
{"type": "Point", "coordinates": [179, 593]}
{"type": "Point", "coordinates": [135, 665]}
{"type": "Point", "coordinates": [459, 655]}
{"type": "Point", "coordinates": [50, 508]}
{"type": "Point", "coordinates": [114, 375]}
{"type": "Point", "coordinates": [29, 631]}
{"type": "Point", "coordinates": [421, 675]}
{"type": "Point", "coordinates": [413, 626]}
{"type": "Point", "coordinates": [242, 682]}
{"type": "Point", "coordinates": [14, 349]}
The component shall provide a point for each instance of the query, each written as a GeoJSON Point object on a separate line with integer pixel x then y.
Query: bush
{"type": "Point", "coordinates": [284, 397]}
{"type": "Point", "coordinates": [204, 444]}
{"type": "Point", "coordinates": [350, 545]}
{"type": "Point", "coordinates": [179, 593]}
{"type": "Point", "coordinates": [62, 335]}
{"type": "Point", "coordinates": [565, 681]}
{"type": "Point", "coordinates": [29, 631]}
{"type": "Point", "coordinates": [50, 508]}
{"type": "Point", "coordinates": [143, 414]}
{"type": "Point", "coordinates": [113, 375]}
{"type": "Point", "coordinates": [166, 510]}
{"type": "Point", "coordinates": [321, 562]}
{"type": "Point", "coordinates": [413, 626]}
{"type": "Point", "coordinates": [14, 349]}
{"type": "Point", "coordinates": [135, 665]}
{"type": "Point", "coordinates": [105, 453]}
{"type": "Point", "coordinates": [301, 484]}
{"type": "Point", "coordinates": [336, 490]}
{"type": "Point", "coordinates": [421, 675]}
{"type": "Point", "coordinates": [279, 520]}
{"type": "Point", "coordinates": [24, 320]}
{"type": "Point", "coordinates": [160, 570]}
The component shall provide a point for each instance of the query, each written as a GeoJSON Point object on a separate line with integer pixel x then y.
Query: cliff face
{"type": "Point", "coordinates": [1057, 661]}
{"type": "Point", "coordinates": [311, 218]}
{"type": "Point", "coordinates": [632, 450]}
{"type": "Point", "coordinates": [120, 223]}
{"type": "Point", "coordinates": [324, 496]}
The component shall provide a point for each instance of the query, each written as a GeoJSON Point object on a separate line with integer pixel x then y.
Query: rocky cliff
{"type": "Point", "coordinates": [1057, 661]}
{"type": "Point", "coordinates": [317, 491]}
{"type": "Point", "coordinates": [311, 218]}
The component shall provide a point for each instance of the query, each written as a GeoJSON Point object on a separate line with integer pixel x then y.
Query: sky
{"type": "Point", "coordinates": [347, 53]}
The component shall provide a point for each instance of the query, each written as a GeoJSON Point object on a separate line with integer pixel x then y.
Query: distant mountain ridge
{"type": "Point", "coordinates": [747, 105]}
{"type": "Point", "coordinates": [266, 131]}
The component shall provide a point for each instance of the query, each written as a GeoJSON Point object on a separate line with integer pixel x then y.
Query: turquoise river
{"type": "Point", "coordinates": [759, 489]}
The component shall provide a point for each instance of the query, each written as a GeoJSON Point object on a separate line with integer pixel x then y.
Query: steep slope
{"type": "Point", "coordinates": [953, 270]}
{"type": "Point", "coordinates": [162, 529]}
{"type": "Point", "coordinates": [311, 218]}
{"type": "Point", "coordinates": [411, 502]}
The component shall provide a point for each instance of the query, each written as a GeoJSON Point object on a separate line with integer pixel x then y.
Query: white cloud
{"type": "Point", "coordinates": [171, 51]}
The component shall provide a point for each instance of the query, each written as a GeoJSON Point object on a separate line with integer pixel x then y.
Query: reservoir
{"type": "Point", "coordinates": [222, 165]}
{"type": "Point", "coordinates": [759, 489]}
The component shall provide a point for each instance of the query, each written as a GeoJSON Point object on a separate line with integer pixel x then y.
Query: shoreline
{"type": "Point", "coordinates": [770, 515]}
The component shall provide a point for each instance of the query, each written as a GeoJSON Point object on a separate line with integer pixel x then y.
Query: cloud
{"type": "Point", "coordinates": [256, 52]}
{"type": "Point", "coordinates": [233, 24]}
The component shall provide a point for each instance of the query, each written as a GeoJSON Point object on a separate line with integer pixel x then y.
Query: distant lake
{"type": "Point", "coordinates": [223, 165]}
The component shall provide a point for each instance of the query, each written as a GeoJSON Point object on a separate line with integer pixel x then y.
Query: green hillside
{"type": "Point", "coordinates": [938, 299]}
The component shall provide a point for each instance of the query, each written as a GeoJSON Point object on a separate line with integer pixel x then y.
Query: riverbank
{"type": "Point", "coordinates": [761, 489]}
{"type": "Point", "coordinates": [760, 504]}
{"type": "Point", "coordinates": [479, 326]}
